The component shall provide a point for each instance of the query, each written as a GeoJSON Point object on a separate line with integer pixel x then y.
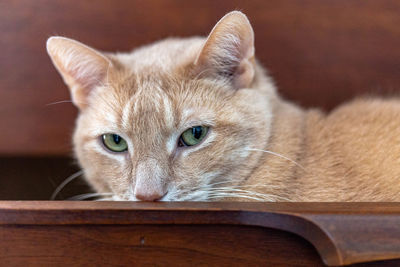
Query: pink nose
{"type": "Point", "coordinates": [150, 183]}
{"type": "Point", "coordinates": [148, 196]}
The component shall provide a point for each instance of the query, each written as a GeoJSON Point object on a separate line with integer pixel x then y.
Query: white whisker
{"type": "Point", "coordinates": [278, 155]}
{"type": "Point", "coordinates": [64, 183]}
{"type": "Point", "coordinates": [105, 199]}
{"type": "Point", "coordinates": [239, 191]}
{"type": "Point", "coordinates": [89, 195]}
{"type": "Point", "coordinates": [238, 186]}
{"type": "Point", "coordinates": [205, 193]}
{"type": "Point", "coordinates": [219, 195]}
{"type": "Point", "coordinates": [59, 102]}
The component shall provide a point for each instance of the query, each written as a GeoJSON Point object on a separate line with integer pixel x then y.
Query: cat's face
{"type": "Point", "coordinates": [172, 121]}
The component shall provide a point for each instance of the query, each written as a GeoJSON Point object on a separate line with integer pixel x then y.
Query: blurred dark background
{"type": "Point", "coordinates": [320, 53]}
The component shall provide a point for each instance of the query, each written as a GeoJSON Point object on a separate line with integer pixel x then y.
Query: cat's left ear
{"type": "Point", "coordinates": [229, 51]}
{"type": "Point", "coordinates": [81, 67]}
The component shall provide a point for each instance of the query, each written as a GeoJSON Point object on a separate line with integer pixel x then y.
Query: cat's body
{"type": "Point", "coordinates": [253, 144]}
{"type": "Point", "coordinates": [350, 154]}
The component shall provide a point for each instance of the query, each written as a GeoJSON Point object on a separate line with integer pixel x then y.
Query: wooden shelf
{"type": "Point", "coordinates": [64, 233]}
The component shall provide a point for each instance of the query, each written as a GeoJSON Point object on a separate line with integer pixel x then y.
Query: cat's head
{"type": "Point", "coordinates": [173, 120]}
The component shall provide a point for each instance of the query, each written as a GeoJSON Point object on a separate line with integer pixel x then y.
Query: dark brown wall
{"type": "Point", "coordinates": [320, 52]}
{"type": "Point", "coordinates": [28, 178]}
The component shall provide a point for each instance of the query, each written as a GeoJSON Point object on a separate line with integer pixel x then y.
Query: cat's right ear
{"type": "Point", "coordinates": [81, 67]}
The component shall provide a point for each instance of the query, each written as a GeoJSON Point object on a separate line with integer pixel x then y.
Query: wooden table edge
{"type": "Point", "coordinates": [318, 223]}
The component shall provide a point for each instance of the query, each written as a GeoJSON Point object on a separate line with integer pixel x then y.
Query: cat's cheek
{"type": "Point", "coordinates": [95, 147]}
{"type": "Point", "coordinates": [106, 172]}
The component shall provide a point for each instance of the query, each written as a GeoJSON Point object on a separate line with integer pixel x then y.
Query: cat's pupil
{"type": "Point", "coordinates": [196, 131]}
{"type": "Point", "coordinates": [117, 138]}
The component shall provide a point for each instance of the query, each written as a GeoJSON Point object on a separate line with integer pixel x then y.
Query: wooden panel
{"type": "Point", "coordinates": [342, 233]}
{"type": "Point", "coordinates": [320, 52]}
{"type": "Point", "coordinates": [152, 245]}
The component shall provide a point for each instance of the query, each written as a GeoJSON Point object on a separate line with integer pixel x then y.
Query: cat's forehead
{"type": "Point", "coordinates": [164, 55]}
{"type": "Point", "coordinates": [152, 93]}
{"type": "Point", "coordinates": [166, 99]}
{"type": "Point", "coordinates": [158, 104]}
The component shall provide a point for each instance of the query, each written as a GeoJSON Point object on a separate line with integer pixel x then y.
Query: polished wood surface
{"type": "Point", "coordinates": [320, 52]}
{"type": "Point", "coordinates": [152, 245]}
{"type": "Point", "coordinates": [258, 233]}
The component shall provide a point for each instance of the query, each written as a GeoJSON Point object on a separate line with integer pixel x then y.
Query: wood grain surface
{"type": "Point", "coordinates": [152, 245]}
{"type": "Point", "coordinates": [215, 233]}
{"type": "Point", "coordinates": [321, 53]}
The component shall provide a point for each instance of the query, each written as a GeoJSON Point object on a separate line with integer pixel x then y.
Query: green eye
{"type": "Point", "coordinates": [193, 136]}
{"type": "Point", "coordinates": [114, 142]}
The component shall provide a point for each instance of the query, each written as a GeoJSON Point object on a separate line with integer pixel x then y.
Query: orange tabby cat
{"type": "Point", "coordinates": [198, 119]}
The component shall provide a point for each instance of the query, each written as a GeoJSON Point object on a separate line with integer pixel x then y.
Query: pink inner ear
{"type": "Point", "coordinates": [88, 71]}
{"type": "Point", "coordinates": [83, 77]}
{"type": "Point", "coordinates": [229, 50]}
{"type": "Point", "coordinates": [81, 67]}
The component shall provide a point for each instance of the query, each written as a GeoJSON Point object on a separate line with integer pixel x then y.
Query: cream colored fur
{"type": "Point", "coordinates": [259, 147]}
